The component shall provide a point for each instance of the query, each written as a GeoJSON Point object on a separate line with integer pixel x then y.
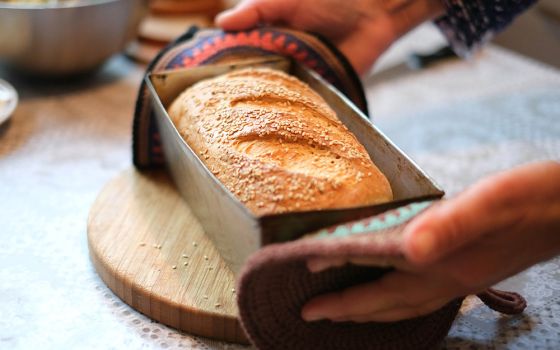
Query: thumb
{"type": "Point", "coordinates": [484, 208]}
{"type": "Point", "coordinates": [251, 13]}
{"type": "Point", "coordinates": [495, 204]}
{"type": "Point", "coordinates": [437, 232]}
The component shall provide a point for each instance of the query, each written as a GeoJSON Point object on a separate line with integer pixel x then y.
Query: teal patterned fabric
{"type": "Point", "coordinates": [380, 222]}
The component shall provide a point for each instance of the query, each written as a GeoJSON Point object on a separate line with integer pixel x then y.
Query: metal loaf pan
{"type": "Point", "coordinates": [233, 228]}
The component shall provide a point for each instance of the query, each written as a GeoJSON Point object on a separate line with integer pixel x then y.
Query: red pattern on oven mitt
{"type": "Point", "coordinates": [275, 283]}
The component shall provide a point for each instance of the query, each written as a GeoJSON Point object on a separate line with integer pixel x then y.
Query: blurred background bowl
{"type": "Point", "coordinates": [66, 37]}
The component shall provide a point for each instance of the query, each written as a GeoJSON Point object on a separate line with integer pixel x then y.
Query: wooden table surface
{"type": "Point", "coordinates": [460, 120]}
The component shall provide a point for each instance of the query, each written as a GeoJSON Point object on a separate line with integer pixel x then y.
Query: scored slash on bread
{"type": "Point", "coordinates": [276, 144]}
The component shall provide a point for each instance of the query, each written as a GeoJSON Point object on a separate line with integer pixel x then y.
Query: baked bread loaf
{"type": "Point", "coordinates": [276, 144]}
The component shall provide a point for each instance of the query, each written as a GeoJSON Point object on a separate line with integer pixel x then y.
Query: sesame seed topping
{"type": "Point", "coordinates": [236, 124]}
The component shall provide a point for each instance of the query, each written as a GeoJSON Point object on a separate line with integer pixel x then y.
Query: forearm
{"type": "Point", "coordinates": [381, 23]}
{"type": "Point", "coordinates": [405, 15]}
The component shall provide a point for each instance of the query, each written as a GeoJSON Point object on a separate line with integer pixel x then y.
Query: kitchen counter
{"type": "Point", "coordinates": [460, 120]}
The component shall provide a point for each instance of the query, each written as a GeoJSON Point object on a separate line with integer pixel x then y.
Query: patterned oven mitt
{"type": "Point", "coordinates": [275, 283]}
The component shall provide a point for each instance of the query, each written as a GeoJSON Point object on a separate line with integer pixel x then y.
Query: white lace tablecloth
{"type": "Point", "coordinates": [459, 120]}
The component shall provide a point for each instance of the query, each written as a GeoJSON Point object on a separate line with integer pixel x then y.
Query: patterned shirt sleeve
{"type": "Point", "coordinates": [470, 23]}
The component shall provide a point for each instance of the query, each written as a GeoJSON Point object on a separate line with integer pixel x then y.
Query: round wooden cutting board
{"type": "Point", "coordinates": [150, 250]}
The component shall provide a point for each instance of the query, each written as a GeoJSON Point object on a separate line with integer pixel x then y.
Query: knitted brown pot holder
{"type": "Point", "coordinates": [275, 283]}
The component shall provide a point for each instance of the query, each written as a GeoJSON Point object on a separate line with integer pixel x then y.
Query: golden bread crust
{"type": "Point", "coordinates": [276, 144]}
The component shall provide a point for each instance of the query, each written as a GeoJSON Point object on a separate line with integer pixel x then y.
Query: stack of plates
{"type": "Point", "coordinates": [167, 20]}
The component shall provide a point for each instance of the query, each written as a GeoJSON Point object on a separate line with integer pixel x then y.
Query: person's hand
{"type": "Point", "coordinates": [497, 228]}
{"type": "Point", "coordinates": [362, 29]}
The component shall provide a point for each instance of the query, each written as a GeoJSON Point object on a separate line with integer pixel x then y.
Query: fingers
{"type": "Point", "coordinates": [412, 13]}
{"type": "Point", "coordinates": [492, 208]}
{"type": "Point", "coordinates": [399, 313]}
{"type": "Point", "coordinates": [243, 16]}
{"type": "Point", "coordinates": [321, 264]}
{"type": "Point", "coordinates": [397, 295]}
{"type": "Point", "coordinates": [250, 13]}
